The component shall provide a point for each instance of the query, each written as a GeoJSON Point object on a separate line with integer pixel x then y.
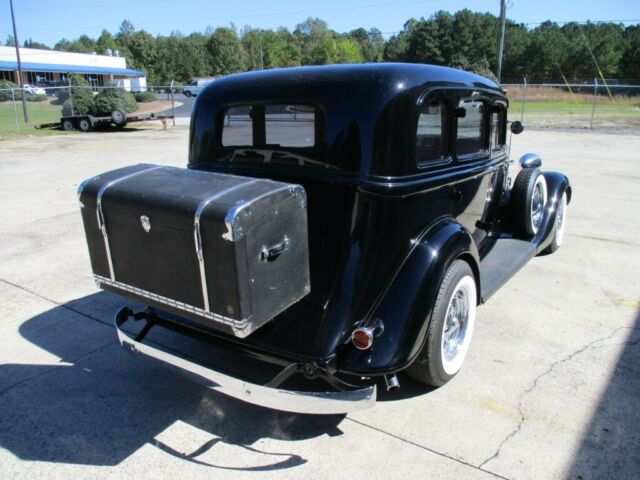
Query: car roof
{"type": "Point", "coordinates": [365, 109]}
{"type": "Point", "coordinates": [379, 76]}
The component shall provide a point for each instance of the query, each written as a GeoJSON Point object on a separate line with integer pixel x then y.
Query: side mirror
{"type": "Point", "coordinates": [517, 127]}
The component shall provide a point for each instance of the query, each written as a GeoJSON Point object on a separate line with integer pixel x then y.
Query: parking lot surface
{"type": "Point", "coordinates": [550, 388]}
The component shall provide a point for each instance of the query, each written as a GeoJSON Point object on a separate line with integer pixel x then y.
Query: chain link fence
{"type": "Point", "coordinates": [47, 105]}
{"type": "Point", "coordinates": [588, 105]}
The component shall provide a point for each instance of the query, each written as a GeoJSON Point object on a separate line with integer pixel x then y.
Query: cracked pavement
{"type": "Point", "coordinates": [550, 388]}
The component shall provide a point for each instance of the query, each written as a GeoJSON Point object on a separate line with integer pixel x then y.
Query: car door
{"type": "Point", "coordinates": [480, 168]}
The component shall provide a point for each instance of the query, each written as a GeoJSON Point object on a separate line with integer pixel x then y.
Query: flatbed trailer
{"type": "Point", "coordinates": [86, 123]}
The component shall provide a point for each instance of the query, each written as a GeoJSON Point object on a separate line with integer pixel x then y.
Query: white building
{"type": "Point", "coordinates": [42, 66]}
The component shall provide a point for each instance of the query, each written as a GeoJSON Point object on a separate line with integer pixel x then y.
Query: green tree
{"type": "Point", "coordinates": [370, 43]}
{"type": "Point", "coordinates": [317, 42]}
{"type": "Point", "coordinates": [126, 28]}
{"type": "Point", "coordinates": [348, 51]}
{"type": "Point", "coordinates": [226, 54]}
{"type": "Point", "coordinates": [30, 43]}
{"type": "Point", "coordinates": [106, 42]}
{"type": "Point", "coordinates": [280, 49]}
{"type": "Point", "coordinates": [630, 61]}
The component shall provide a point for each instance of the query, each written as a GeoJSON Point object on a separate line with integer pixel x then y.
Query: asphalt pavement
{"type": "Point", "coordinates": [181, 111]}
{"type": "Point", "coordinates": [549, 390]}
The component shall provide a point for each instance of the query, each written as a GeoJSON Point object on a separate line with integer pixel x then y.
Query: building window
{"type": "Point", "coordinates": [431, 134]}
{"type": "Point", "coordinates": [269, 126]}
{"type": "Point", "coordinates": [6, 75]}
{"type": "Point", "coordinates": [470, 138]}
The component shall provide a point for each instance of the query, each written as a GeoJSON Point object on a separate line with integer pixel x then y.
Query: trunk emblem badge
{"type": "Point", "coordinates": [146, 223]}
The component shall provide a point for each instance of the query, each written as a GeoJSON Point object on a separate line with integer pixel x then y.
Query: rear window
{"type": "Point", "coordinates": [269, 126]}
{"type": "Point", "coordinates": [431, 132]}
{"type": "Point", "coordinates": [470, 139]}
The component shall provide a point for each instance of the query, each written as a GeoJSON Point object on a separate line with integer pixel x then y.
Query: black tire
{"type": "Point", "coordinates": [559, 225]}
{"type": "Point", "coordinates": [119, 117]}
{"type": "Point", "coordinates": [431, 366]}
{"type": "Point", "coordinates": [187, 94]}
{"type": "Point", "coordinates": [84, 124]}
{"type": "Point", "coordinates": [67, 125]}
{"type": "Point", "coordinates": [526, 209]}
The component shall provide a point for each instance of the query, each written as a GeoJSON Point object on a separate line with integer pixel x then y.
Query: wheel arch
{"type": "Point", "coordinates": [475, 268]}
{"type": "Point", "coordinates": [406, 307]}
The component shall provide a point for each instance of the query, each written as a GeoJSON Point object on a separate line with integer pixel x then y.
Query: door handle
{"type": "Point", "coordinates": [455, 195]}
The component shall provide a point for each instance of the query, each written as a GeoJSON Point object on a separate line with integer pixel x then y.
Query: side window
{"type": "Point", "coordinates": [470, 139]}
{"type": "Point", "coordinates": [498, 132]}
{"type": "Point", "coordinates": [431, 134]}
{"type": "Point", "coordinates": [238, 127]}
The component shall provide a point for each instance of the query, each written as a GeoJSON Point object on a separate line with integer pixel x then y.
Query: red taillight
{"type": "Point", "coordinates": [362, 338]}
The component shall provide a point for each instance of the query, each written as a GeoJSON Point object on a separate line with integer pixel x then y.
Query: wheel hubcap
{"type": "Point", "coordinates": [537, 206]}
{"type": "Point", "coordinates": [456, 323]}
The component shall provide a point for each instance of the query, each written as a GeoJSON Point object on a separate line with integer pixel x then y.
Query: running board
{"type": "Point", "coordinates": [504, 260]}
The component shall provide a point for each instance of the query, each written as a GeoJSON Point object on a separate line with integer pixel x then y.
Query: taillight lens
{"type": "Point", "coordinates": [362, 338]}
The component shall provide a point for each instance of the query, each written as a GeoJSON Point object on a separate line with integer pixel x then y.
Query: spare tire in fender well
{"type": "Point", "coordinates": [405, 306]}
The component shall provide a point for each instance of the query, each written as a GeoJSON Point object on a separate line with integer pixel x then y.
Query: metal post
{"type": "Point", "coordinates": [173, 107]}
{"type": "Point", "coordinates": [593, 106]}
{"type": "Point", "coordinates": [15, 111]}
{"type": "Point", "coordinates": [260, 42]}
{"type": "Point", "coordinates": [524, 98]}
{"type": "Point", "coordinates": [70, 96]}
{"type": "Point", "coordinates": [25, 110]}
{"type": "Point", "coordinates": [503, 20]}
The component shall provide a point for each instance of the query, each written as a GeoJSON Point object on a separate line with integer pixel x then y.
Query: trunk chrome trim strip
{"type": "Point", "coordinates": [324, 403]}
{"type": "Point", "coordinates": [100, 214]}
{"type": "Point", "coordinates": [239, 327]}
{"type": "Point", "coordinates": [197, 235]}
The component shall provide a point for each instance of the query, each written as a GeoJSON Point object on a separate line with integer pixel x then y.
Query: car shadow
{"type": "Point", "coordinates": [610, 446]}
{"type": "Point", "coordinates": [100, 404]}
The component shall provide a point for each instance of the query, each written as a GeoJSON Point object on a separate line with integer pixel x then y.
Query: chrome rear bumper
{"type": "Point", "coordinates": [322, 403]}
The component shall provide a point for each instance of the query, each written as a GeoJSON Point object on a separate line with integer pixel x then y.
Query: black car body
{"type": "Point", "coordinates": [406, 172]}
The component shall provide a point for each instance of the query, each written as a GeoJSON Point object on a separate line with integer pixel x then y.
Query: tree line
{"type": "Point", "coordinates": [465, 39]}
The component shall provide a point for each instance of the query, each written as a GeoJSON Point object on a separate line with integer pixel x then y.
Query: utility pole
{"type": "Point", "coordinates": [503, 19]}
{"type": "Point", "coordinates": [25, 110]}
{"type": "Point", "coordinates": [260, 42]}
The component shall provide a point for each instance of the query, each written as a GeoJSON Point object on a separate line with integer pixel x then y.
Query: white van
{"type": "Point", "coordinates": [195, 86]}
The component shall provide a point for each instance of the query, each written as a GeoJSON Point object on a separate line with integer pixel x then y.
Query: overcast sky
{"type": "Point", "coordinates": [49, 20]}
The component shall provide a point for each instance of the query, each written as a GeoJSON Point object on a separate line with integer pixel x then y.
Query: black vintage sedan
{"type": "Point", "coordinates": [336, 225]}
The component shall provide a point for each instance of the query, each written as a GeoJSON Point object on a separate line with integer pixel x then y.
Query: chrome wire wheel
{"type": "Point", "coordinates": [458, 325]}
{"type": "Point", "coordinates": [538, 202]}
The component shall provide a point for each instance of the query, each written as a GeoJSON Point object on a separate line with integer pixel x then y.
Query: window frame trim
{"type": "Point", "coordinates": [442, 95]}
{"type": "Point", "coordinates": [503, 133]}
{"type": "Point", "coordinates": [485, 152]}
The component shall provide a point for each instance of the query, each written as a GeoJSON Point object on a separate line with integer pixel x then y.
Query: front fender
{"type": "Point", "coordinates": [557, 184]}
{"type": "Point", "coordinates": [406, 307]}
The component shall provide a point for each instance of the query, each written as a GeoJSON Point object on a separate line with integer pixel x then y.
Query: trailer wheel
{"type": "Point", "coordinates": [119, 117]}
{"type": "Point", "coordinates": [84, 124]}
{"type": "Point", "coordinates": [67, 125]}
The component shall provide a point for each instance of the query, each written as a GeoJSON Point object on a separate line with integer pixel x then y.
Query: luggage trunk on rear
{"type": "Point", "coordinates": [224, 250]}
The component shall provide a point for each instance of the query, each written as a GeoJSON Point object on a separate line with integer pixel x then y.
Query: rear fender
{"type": "Point", "coordinates": [406, 307]}
{"type": "Point", "coordinates": [557, 185]}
